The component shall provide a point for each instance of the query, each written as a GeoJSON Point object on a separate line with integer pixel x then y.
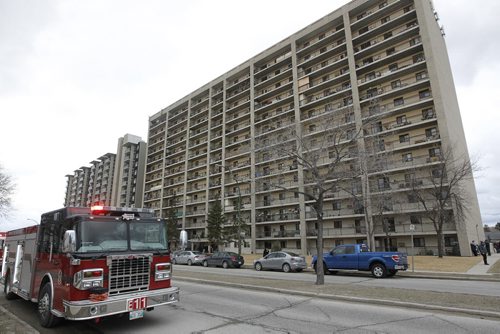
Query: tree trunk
{"type": "Point", "coordinates": [320, 272]}
{"type": "Point", "coordinates": [440, 240]}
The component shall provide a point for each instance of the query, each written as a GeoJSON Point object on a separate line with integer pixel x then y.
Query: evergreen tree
{"type": "Point", "coordinates": [215, 224]}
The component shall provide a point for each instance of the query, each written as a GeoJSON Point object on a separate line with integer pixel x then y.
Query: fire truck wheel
{"type": "Point", "coordinates": [47, 319]}
{"type": "Point", "coordinates": [9, 295]}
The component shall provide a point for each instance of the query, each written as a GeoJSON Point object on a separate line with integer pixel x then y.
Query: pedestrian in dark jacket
{"type": "Point", "coordinates": [473, 247]}
{"type": "Point", "coordinates": [484, 252]}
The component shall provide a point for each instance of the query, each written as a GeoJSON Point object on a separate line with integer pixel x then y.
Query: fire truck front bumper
{"type": "Point", "coordinates": [86, 309]}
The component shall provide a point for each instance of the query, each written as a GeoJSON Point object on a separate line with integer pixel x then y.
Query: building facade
{"type": "Point", "coordinates": [128, 181]}
{"type": "Point", "coordinates": [377, 67]}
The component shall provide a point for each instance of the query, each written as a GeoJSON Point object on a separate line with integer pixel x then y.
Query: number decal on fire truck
{"type": "Point", "coordinates": [137, 303]}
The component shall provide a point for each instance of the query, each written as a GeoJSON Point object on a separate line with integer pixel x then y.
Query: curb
{"type": "Point", "coordinates": [426, 307]}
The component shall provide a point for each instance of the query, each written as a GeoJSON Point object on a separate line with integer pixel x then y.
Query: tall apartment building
{"type": "Point", "coordinates": [128, 181]}
{"type": "Point", "coordinates": [378, 65]}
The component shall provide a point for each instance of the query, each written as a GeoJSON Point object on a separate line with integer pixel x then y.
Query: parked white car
{"type": "Point", "coordinates": [189, 258]}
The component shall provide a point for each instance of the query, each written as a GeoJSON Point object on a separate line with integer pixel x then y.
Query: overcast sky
{"type": "Point", "coordinates": [77, 75]}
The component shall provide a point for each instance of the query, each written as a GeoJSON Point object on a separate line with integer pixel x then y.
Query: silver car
{"type": "Point", "coordinates": [286, 261]}
{"type": "Point", "coordinates": [189, 258]}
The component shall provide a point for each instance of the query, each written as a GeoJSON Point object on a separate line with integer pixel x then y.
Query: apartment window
{"type": "Point", "coordinates": [383, 183]}
{"type": "Point", "coordinates": [424, 94]}
{"type": "Point", "coordinates": [419, 242]}
{"type": "Point", "coordinates": [410, 177]}
{"type": "Point", "coordinates": [390, 51]}
{"type": "Point", "coordinates": [393, 67]}
{"type": "Point", "coordinates": [336, 205]}
{"type": "Point", "coordinates": [382, 5]}
{"type": "Point", "coordinates": [388, 35]}
{"type": "Point", "coordinates": [407, 157]}
{"type": "Point", "coordinates": [435, 152]}
{"type": "Point", "coordinates": [399, 101]}
{"type": "Point", "coordinates": [381, 145]}
{"type": "Point", "coordinates": [337, 224]}
{"type": "Point", "coordinates": [421, 75]}
{"type": "Point", "coordinates": [365, 45]}
{"type": "Point", "coordinates": [437, 173]}
{"type": "Point", "coordinates": [281, 196]}
{"type": "Point", "coordinates": [418, 58]}
{"type": "Point", "coordinates": [357, 226]}
{"type": "Point", "coordinates": [431, 133]}
{"type": "Point", "coordinates": [389, 225]}
{"type": "Point", "coordinates": [321, 36]}
{"type": "Point", "coordinates": [401, 120]}
{"type": "Point", "coordinates": [282, 244]}
{"type": "Point", "coordinates": [363, 30]}
{"type": "Point", "coordinates": [350, 134]}
{"type": "Point", "coordinates": [312, 128]}
{"type": "Point", "coordinates": [370, 76]}
{"type": "Point", "coordinates": [404, 138]}
{"type": "Point", "coordinates": [322, 50]}
{"type": "Point", "coordinates": [371, 92]}
{"type": "Point", "coordinates": [415, 220]}
{"type": "Point", "coordinates": [368, 60]}
{"type": "Point", "coordinates": [374, 109]}
{"type": "Point", "coordinates": [427, 113]}
{"type": "Point", "coordinates": [385, 19]}
{"type": "Point", "coordinates": [376, 128]}
{"type": "Point", "coordinates": [296, 194]}
{"type": "Point", "coordinates": [412, 198]}
{"type": "Point", "coordinates": [396, 84]}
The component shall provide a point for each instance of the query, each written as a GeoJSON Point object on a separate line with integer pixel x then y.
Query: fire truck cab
{"type": "Point", "coordinates": [87, 263]}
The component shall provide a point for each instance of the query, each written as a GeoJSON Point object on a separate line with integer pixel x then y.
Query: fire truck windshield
{"type": "Point", "coordinates": [112, 235]}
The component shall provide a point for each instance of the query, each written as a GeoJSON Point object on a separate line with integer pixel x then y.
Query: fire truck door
{"type": "Point", "coordinates": [27, 264]}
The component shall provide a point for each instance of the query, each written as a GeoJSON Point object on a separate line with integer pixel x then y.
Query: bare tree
{"type": "Point", "coordinates": [442, 195]}
{"type": "Point", "coordinates": [322, 148]}
{"type": "Point", "coordinates": [6, 190]}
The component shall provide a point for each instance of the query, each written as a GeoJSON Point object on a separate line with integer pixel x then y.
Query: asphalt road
{"type": "Point", "coordinates": [216, 309]}
{"type": "Point", "coordinates": [362, 279]}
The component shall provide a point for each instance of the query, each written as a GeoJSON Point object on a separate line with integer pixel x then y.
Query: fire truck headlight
{"type": "Point", "coordinates": [162, 271]}
{"type": "Point", "coordinates": [88, 278]}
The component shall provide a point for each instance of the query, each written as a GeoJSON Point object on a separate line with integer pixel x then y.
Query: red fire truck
{"type": "Point", "coordinates": [88, 263]}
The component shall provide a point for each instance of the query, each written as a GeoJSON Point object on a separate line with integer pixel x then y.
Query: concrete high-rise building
{"type": "Point", "coordinates": [128, 183]}
{"type": "Point", "coordinates": [380, 66]}
{"type": "Point", "coordinates": [77, 188]}
{"type": "Point", "coordinates": [101, 180]}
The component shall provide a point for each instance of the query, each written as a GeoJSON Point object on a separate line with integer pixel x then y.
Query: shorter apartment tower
{"type": "Point", "coordinates": [128, 183]}
{"type": "Point", "coordinates": [378, 68]}
{"type": "Point", "coordinates": [101, 180]}
{"type": "Point", "coordinates": [77, 187]}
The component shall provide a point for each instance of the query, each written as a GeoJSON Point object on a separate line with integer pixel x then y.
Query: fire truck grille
{"type": "Point", "coordinates": [128, 275]}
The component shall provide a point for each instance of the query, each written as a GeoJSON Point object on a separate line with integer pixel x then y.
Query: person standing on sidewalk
{"type": "Point", "coordinates": [484, 252]}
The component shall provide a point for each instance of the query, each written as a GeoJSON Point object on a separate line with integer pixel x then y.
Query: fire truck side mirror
{"type": "Point", "coordinates": [69, 241]}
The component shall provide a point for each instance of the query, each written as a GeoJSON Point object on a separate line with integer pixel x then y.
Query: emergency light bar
{"type": "Point", "coordinates": [119, 211]}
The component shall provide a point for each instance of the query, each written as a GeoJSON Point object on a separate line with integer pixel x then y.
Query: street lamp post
{"type": "Point", "coordinates": [412, 230]}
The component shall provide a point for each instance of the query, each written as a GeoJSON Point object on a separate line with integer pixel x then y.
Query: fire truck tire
{"type": "Point", "coordinates": [9, 295]}
{"type": "Point", "coordinates": [47, 319]}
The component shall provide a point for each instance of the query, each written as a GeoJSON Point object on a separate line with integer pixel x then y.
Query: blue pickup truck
{"type": "Point", "coordinates": [359, 257]}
